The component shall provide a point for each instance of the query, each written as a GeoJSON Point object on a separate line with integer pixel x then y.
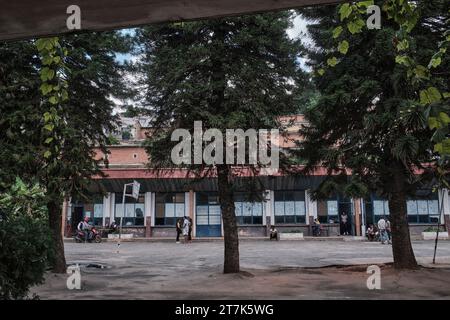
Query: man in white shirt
{"type": "Point", "coordinates": [186, 225]}
{"type": "Point", "coordinates": [85, 227]}
{"type": "Point", "coordinates": [382, 230]}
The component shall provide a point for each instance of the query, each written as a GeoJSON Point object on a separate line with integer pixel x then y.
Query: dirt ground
{"type": "Point", "coordinates": [139, 272]}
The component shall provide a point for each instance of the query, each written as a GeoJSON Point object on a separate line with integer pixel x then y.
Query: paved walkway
{"type": "Point", "coordinates": [161, 270]}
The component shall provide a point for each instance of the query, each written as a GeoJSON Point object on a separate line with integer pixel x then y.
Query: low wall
{"type": "Point", "coordinates": [138, 232]}
{"type": "Point", "coordinates": [415, 230]}
{"type": "Point", "coordinates": [164, 232]}
{"type": "Point", "coordinates": [252, 231]}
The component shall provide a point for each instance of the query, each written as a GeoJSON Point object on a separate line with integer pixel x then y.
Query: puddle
{"type": "Point", "coordinates": [90, 265]}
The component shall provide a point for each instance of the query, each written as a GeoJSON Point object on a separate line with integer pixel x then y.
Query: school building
{"type": "Point", "coordinates": [167, 195]}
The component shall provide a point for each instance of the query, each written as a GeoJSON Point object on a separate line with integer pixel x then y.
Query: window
{"type": "Point", "coordinates": [328, 211]}
{"type": "Point", "coordinates": [134, 210]}
{"type": "Point", "coordinates": [247, 212]}
{"type": "Point", "coordinates": [422, 211]}
{"type": "Point", "coordinates": [168, 207]}
{"type": "Point", "coordinates": [290, 207]}
{"type": "Point", "coordinates": [208, 208]}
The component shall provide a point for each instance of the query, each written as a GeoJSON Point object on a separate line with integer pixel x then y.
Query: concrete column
{"type": "Point", "coordinates": [267, 211]}
{"type": "Point", "coordinates": [312, 207]}
{"type": "Point", "coordinates": [148, 213]}
{"type": "Point", "coordinates": [357, 215]}
{"type": "Point", "coordinates": [271, 209]}
{"type": "Point", "coordinates": [190, 205]}
{"type": "Point", "coordinates": [153, 206]}
{"type": "Point", "coordinates": [112, 200]}
{"type": "Point", "coordinates": [106, 210]}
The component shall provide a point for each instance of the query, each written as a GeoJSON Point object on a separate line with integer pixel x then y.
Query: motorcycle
{"type": "Point", "coordinates": [94, 235]}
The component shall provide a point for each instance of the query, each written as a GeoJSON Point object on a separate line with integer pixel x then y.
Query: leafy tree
{"type": "Point", "coordinates": [52, 133]}
{"type": "Point", "coordinates": [229, 73]}
{"type": "Point", "coordinates": [368, 119]}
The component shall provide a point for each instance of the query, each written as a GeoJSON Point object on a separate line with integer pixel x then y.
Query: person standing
{"type": "Point", "coordinates": [179, 227]}
{"type": "Point", "coordinates": [344, 224]}
{"type": "Point", "coordinates": [388, 231]}
{"type": "Point", "coordinates": [186, 225]}
{"type": "Point", "coordinates": [190, 229]}
{"type": "Point", "coordinates": [316, 228]}
{"type": "Point", "coordinates": [382, 230]}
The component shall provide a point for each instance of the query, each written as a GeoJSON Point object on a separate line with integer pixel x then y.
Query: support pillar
{"type": "Point", "coordinates": [148, 208]}
{"type": "Point", "coordinates": [357, 214]}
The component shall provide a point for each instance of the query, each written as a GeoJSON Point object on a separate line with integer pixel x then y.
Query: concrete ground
{"type": "Point", "coordinates": [271, 270]}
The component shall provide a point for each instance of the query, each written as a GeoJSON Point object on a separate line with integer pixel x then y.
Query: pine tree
{"type": "Point", "coordinates": [366, 118]}
{"type": "Point", "coordinates": [94, 77]}
{"type": "Point", "coordinates": [229, 73]}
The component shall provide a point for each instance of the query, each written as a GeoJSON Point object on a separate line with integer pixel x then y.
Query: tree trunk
{"type": "Point", "coordinates": [401, 242]}
{"type": "Point", "coordinates": [231, 238]}
{"type": "Point", "coordinates": [54, 215]}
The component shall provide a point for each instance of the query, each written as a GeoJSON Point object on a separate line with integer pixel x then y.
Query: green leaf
{"type": "Point", "coordinates": [49, 127]}
{"type": "Point", "coordinates": [403, 60]}
{"type": "Point", "coordinates": [45, 88]}
{"type": "Point", "coordinates": [53, 100]}
{"type": "Point", "coordinates": [47, 154]}
{"type": "Point", "coordinates": [48, 140]}
{"type": "Point", "coordinates": [332, 61]}
{"type": "Point", "coordinates": [321, 72]}
{"type": "Point", "coordinates": [433, 123]}
{"type": "Point", "coordinates": [365, 4]}
{"type": "Point", "coordinates": [434, 95]}
{"type": "Point", "coordinates": [435, 62]}
{"type": "Point", "coordinates": [345, 11]}
{"type": "Point", "coordinates": [403, 45]}
{"type": "Point", "coordinates": [343, 47]}
{"type": "Point", "coordinates": [421, 72]}
{"type": "Point", "coordinates": [355, 26]}
{"type": "Point", "coordinates": [443, 147]}
{"type": "Point", "coordinates": [47, 117]}
{"type": "Point", "coordinates": [429, 96]}
{"type": "Point", "coordinates": [337, 32]}
{"type": "Point", "coordinates": [444, 118]}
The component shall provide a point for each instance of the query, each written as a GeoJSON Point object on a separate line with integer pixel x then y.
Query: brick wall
{"type": "Point", "coordinates": [125, 155]}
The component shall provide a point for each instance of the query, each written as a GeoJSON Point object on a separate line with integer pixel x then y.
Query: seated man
{"type": "Point", "coordinates": [371, 233]}
{"type": "Point", "coordinates": [85, 227]}
{"type": "Point", "coordinates": [316, 228]}
{"type": "Point", "coordinates": [273, 233]}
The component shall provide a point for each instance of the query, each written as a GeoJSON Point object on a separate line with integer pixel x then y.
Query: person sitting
{"type": "Point", "coordinates": [371, 233]}
{"type": "Point", "coordinates": [85, 228]}
{"type": "Point", "coordinates": [273, 233]}
{"type": "Point", "coordinates": [316, 228]}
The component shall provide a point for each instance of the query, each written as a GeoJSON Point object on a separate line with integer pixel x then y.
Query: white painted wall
{"type": "Point", "coordinates": [148, 207]}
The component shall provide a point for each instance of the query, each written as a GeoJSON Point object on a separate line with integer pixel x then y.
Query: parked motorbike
{"type": "Point", "coordinates": [94, 235]}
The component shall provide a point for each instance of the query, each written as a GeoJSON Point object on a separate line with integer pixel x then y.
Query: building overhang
{"type": "Point", "coordinates": [22, 19]}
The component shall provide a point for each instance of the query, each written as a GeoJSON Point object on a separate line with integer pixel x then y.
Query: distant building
{"type": "Point", "coordinates": [170, 194]}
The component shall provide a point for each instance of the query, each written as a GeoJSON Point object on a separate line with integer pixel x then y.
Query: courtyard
{"type": "Point", "coordinates": [270, 270]}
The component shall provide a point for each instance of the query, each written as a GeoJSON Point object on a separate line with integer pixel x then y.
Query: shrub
{"type": "Point", "coordinates": [25, 241]}
{"type": "Point", "coordinates": [24, 246]}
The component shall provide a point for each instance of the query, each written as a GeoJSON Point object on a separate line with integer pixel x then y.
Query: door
{"type": "Point", "coordinates": [346, 205]}
{"type": "Point", "coordinates": [208, 215]}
